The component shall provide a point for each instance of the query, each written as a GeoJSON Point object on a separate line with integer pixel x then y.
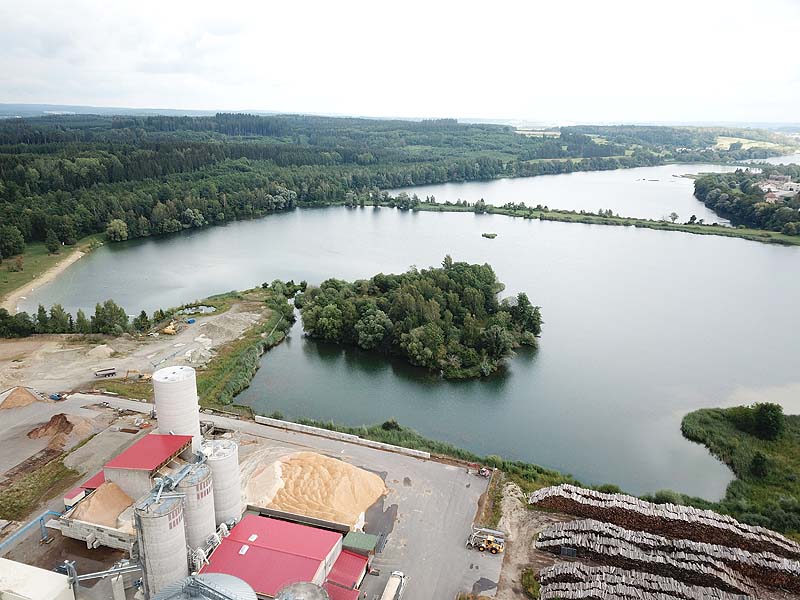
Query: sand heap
{"type": "Point", "coordinates": [104, 506]}
{"type": "Point", "coordinates": [17, 398]}
{"type": "Point", "coordinates": [64, 431]}
{"type": "Point", "coordinates": [101, 351]}
{"type": "Point", "coordinates": [314, 485]}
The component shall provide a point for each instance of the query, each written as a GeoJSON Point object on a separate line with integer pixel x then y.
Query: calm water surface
{"type": "Point", "coordinates": [640, 327]}
{"type": "Point", "coordinates": [645, 192]}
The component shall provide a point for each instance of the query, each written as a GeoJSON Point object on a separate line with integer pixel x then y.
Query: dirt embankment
{"type": "Point", "coordinates": [64, 431]}
{"type": "Point", "coordinates": [521, 525]}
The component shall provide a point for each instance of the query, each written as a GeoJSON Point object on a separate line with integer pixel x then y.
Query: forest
{"type": "Point", "coordinates": [446, 319]}
{"type": "Point", "coordinates": [63, 177]}
{"type": "Point", "coordinates": [737, 197]}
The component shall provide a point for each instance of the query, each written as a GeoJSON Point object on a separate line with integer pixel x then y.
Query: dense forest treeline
{"type": "Point", "coordinates": [446, 319]}
{"type": "Point", "coordinates": [738, 197]}
{"type": "Point", "coordinates": [68, 176]}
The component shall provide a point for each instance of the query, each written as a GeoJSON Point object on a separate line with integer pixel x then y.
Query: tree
{"type": "Point", "coordinates": [373, 328]}
{"type": "Point", "coordinates": [758, 466]}
{"type": "Point", "coordinates": [11, 241]}
{"type": "Point", "coordinates": [82, 324]}
{"type": "Point", "coordinates": [109, 318]}
{"type": "Point", "coordinates": [673, 216]}
{"type": "Point", "coordinates": [59, 320]}
{"type": "Point", "coordinates": [42, 320]}
{"type": "Point", "coordinates": [142, 322]}
{"type": "Point", "coordinates": [497, 342]}
{"type": "Point", "coordinates": [51, 242]}
{"type": "Point", "coordinates": [768, 420]}
{"type": "Point", "coordinates": [117, 230]}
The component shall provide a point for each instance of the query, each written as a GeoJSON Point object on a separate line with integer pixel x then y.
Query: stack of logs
{"type": "Point", "coordinates": [670, 520]}
{"type": "Point", "coordinates": [764, 567]}
{"type": "Point", "coordinates": [695, 569]}
{"type": "Point", "coordinates": [575, 581]}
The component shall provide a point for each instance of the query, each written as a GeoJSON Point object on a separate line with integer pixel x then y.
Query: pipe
{"type": "Point", "coordinates": [40, 520]}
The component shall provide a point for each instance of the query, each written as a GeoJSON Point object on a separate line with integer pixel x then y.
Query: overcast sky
{"type": "Point", "coordinates": [551, 61]}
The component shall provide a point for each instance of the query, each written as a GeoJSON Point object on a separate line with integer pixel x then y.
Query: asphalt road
{"type": "Point", "coordinates": [426, 515]}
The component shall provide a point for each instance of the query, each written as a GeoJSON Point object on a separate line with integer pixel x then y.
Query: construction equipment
{"type": "Point", "coordinates": [139, 375]}
{"type": "Point", "coordinates": [109, 372]}
{"type": "Point", "coordinates": [170, 329]}
{"type": "Point", "coordinates": [487, 539]}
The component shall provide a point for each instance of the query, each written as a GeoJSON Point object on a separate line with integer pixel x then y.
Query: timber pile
{"type": "Point", "coordinates": [764, 567]}
{"type": "Point", "coordinates": [694, 569]}
{"type": "Point", "coordinates": [576, 581]}
{"type": "Point", "coordinates": [671, 520]}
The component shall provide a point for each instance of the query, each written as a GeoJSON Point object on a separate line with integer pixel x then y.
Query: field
{"type": "Point", "coordinates": [724, 143]}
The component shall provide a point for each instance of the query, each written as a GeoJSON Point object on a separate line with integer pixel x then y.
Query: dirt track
{"type": "Point", "coordinates": [55, 363]}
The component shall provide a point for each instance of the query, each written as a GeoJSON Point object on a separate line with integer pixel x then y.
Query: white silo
{"type": "Point", "coordinates": [162, 542]}
{"type": "Point", "coordinates": [198, 505]}
{"type": "Point", "coordinates": [177, 408]}
{"type": "Point", "coordinates": [302, 591]}
{"type": "Point", "coordinates": [208, 586]}
{"type": "Point", "coordinates": [223, 459]}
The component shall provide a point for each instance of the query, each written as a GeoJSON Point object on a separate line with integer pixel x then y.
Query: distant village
{"type": "Point", "coordinates": [779, 188]}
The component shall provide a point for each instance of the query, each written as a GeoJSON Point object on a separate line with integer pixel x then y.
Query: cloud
{"type": "Point", "coordinates": [573, 60]}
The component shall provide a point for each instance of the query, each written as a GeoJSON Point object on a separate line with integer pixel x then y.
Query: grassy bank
{"type": "Point", "coordinates": [528, 476]}
{"type": "Point", "coordinates": [35, 261]}
{"type": "Point", "coordinates": [22, 496]}
{"type": "Point", "coordinates": [766, 490]}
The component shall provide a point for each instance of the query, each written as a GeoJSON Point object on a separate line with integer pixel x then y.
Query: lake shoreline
{"type": "Point", "coordinates": [11, 300]}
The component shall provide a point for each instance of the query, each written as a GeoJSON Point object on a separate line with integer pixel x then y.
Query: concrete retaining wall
{"type": "Point", "coordinates": [95, 535]}
{"type": "Point", "coordinates": [335, 435]}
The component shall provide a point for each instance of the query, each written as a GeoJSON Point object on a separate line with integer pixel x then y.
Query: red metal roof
{"type": "Point", "coordinates": [150, 452]}
{"type": "Point", "coordinates": [339, 593]}
{"type": "Point", "coordinates": [267, 571]}
{"type": "Point", "coordinates": [292, 538]}
{"type": "Point", "coordinates": [95, 481]}
{"type": "Point", "coordinates": [348, 570]}
{"type": "Point", "coordinates": [74, 493]}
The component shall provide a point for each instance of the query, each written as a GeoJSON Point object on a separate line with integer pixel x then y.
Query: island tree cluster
{"type": "Point", "coordinates": [446, 319]}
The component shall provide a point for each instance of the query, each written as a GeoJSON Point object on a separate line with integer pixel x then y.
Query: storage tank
{"type": "Point", "coordinates": [302, 591]}
{"type": "Point", "coordinates": [162, 542]}
{"type": "Point", "coordinates": [198, 505]}
{"type": "Point", "coordinates": [223, 460]}
{"type": "Point", "coordinates": [209, 585]}
{"type": "Point", "coordinates": [177, 409]}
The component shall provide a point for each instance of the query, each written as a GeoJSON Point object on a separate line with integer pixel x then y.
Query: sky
{"type": "Point", "coordinates": [555, 61]}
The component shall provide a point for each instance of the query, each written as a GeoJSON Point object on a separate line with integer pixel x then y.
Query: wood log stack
{"type": "Point", "coordinates": [671, 520]}
{"type": "Point", "coordinates": [576, 581]}
{"type": "Point", "coordinates": [691, 568]}
{"type": "Point", "coordinates": [764, 567]}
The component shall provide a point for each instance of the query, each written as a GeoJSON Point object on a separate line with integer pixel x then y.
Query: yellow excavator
{"type": "Point", "coordinates": [139, 375]}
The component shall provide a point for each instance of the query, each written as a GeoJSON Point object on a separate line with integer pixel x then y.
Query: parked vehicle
{"type": "Point", "coordinates": [110, 372]}
{"type": "Point", "coordinates": [395, 586]}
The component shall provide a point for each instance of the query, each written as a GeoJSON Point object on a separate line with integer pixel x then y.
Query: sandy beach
{"type": "Point", "coordinates": [11, 301]}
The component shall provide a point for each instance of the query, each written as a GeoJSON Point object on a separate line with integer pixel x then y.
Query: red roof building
{"type": "Point", "coordinates": [94, 482]}
{"type": "Point", "coordinates": [133, 470]}
{"type": "Point", "coordinates": [150, 452]}
{"type": "Point", "coordinates": [349, 570]}
{"type": "Point", "coordinates": [339, 593]}
{"type": "Point", "coordinates": [270, 554]}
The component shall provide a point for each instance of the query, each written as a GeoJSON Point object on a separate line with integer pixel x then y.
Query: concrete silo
{"type": "Point", "coordinates": [198, 505]}
{"type": "Point", "coordinates": [211, 586]}
{"type": "Point", "coordinates": [162, 542]}
{"type": "Point", "coordinates": [223, 460]}
{"type": "Point", "coordinates": [177, 408]}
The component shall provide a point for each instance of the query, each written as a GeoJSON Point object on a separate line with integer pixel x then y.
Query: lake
{"type": "Point", "coordinates": [644, 192]}
{"type": "Point", "coordinates": [641, 326]}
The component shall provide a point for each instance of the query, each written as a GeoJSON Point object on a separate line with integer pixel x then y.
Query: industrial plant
{"type": "Point", "coordinates": [173, 503]}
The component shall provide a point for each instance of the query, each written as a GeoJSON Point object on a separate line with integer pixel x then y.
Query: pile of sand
{"type": "Point", "coordinates": [64, 431]}
{"type": "Point", "coordinates": [104, 506]}
{"type": "Point", "coordinates": [19, 397]}
{"type": "Point", "coordinates": [314, 485]}
{"type": "Point", "coordinates": [101, 351]}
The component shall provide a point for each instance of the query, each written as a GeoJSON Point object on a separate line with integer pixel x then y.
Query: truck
{"type": "Point", "coordinates": [395, 586]}
{"type": "Point", "coordinates": [109, 372]}
{"type": "Point", "coordinates": [487, 539]}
